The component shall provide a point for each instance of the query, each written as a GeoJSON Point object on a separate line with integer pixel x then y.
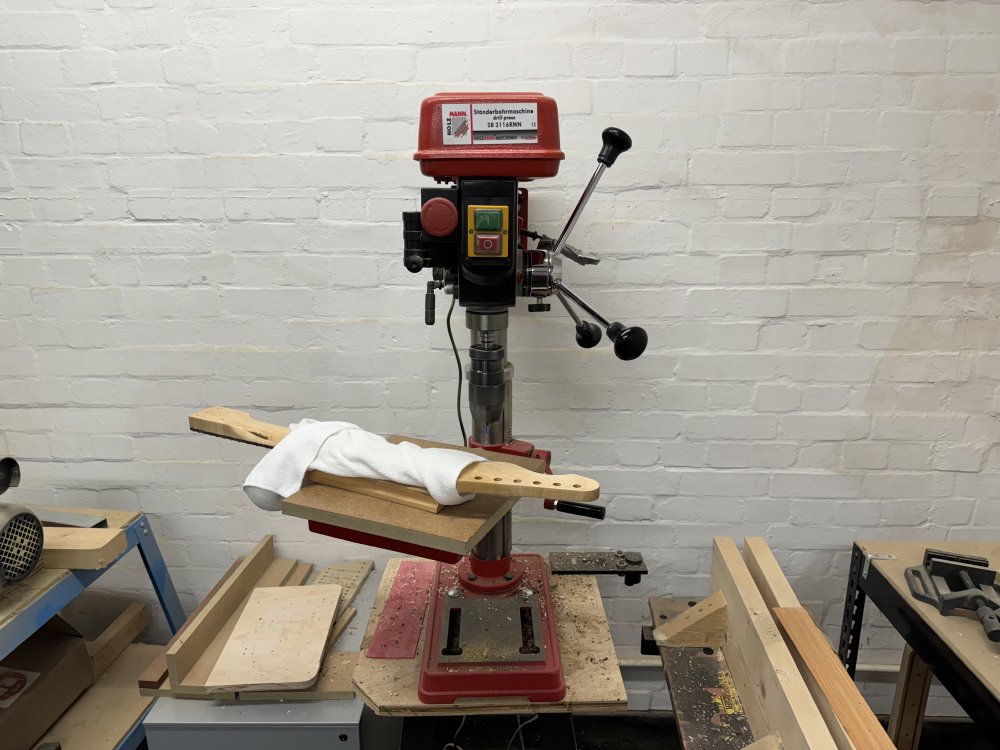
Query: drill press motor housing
{"type": "Point", "coordinates": [483, 145]}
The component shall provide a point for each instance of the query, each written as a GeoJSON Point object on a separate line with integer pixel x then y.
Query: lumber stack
{"type": "Point", "coordinates": [187, 667]}
{"type": "Point", "coordinates": [794, 690]}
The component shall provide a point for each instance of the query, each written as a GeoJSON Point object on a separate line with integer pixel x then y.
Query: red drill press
{"type": "Point", "coordinates": [490, 629]}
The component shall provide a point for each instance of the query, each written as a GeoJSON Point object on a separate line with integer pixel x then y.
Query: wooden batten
{"type": "Point", "coordinates": [778, 593]}
{"type": "Point", "coordinates": [773, 693]}
{"type": "Point", "coordinates": [81, 549]}
{"type": "Point", "coordinates": [836, 688]}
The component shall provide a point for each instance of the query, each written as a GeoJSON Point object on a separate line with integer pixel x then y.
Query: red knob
{"type": "Point", "coordinates": [439, 217]}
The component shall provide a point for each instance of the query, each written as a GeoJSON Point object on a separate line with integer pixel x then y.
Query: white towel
{"type": "Point", "coordinates": [347, 450]}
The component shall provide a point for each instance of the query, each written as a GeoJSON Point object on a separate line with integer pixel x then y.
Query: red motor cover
{"type": "Point", "coordinates": [489, 135]}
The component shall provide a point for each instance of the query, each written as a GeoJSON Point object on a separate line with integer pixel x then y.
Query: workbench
{"type": "Point", "coordinates": [29, 604]}
{"type": "Point", "coordinates": [748, 667]}
{"type": "Point", "coordinates": [953, 648]}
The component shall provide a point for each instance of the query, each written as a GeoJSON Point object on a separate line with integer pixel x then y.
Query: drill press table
{"type": "Point", "coordinates": [456, 529]}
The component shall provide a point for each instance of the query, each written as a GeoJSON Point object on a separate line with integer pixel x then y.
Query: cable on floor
{"type": "Point", "coordinates": [517, 732]}
{"type": "Point", "coordinates": [453, 745]}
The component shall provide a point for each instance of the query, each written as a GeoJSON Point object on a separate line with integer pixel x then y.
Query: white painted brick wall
{"type": "Point", "coordinates": [199, 203]}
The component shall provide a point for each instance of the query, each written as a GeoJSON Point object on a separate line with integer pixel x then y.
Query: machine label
{"type": "Point", "coordinates": [494, 124]}
{"type": "Point", "coordinates": [456, 129]}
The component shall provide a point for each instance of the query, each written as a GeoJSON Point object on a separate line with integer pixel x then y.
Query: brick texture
{"type": "Point", "coordinates": [201, 205]}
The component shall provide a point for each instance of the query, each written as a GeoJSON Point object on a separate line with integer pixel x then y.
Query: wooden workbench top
{"type": "Point", "coordinates": [590, 667]}
{"type": "Point", "coordinates": [961, 632]}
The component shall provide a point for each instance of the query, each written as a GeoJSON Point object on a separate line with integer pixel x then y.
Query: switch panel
{"type": "Point", "coordinates": [488, 230]}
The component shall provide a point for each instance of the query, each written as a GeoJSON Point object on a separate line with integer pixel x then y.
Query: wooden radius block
{"type": "Point", "coordinates": [702, 625]}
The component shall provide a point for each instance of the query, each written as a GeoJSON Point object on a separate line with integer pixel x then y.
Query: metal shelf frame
{"type": "Point", "coordinates": [138, 535]}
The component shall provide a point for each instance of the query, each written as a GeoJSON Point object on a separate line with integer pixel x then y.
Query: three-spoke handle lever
{"type": "Point", "coordinates": [629, 341]}
{"type": "Point", "coordinates": [615, 143]}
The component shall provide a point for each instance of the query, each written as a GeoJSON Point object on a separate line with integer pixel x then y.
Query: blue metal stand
{"type": "Point", "coordinates": [138, 534]}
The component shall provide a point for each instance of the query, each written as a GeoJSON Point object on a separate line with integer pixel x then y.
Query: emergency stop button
{"type": "Point", "coordinates": [488, 244]}
{"type": "Point", "coordinates": [439, 217]}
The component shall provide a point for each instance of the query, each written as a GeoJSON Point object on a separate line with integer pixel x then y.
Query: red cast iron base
{"type": "Point", "coordinates": [444, 681]}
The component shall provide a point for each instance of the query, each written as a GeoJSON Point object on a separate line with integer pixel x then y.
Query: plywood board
{"type": "Point", "coordinates": [279, 640]}
{"type": "Point", "coordinates": [16, 599]}
{"type": "Point", "coordinates": [964, 635]}
{"type": "Point", "coordinates": [456, 529]}
{"type": "Point", "coordinates": [193, 683]}
{"type": "Point", "coordinates": [335, 682]}
{"type": "Point", "coordinates": [108, 710]}
{"type": "Point", "coordinates": [593, 679]}
{"type": "Point", "coordinates": [836, 688]}
{"type": "Point", "coordinates": [203, 627]}
{"type": "Point", "coordinates": [350, 576]}
{"type": "Point", "coordinates": [771, 689]}
{"type": "Point", "coordinates": [82, 549]}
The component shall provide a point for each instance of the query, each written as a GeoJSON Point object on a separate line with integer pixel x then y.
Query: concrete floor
{"type": "Point", "coordinates": [653, 731]}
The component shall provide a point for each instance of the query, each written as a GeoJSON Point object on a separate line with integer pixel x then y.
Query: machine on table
{"type": "Point", "coordinates": [21, 533]}
{"type": "Point", "coordinates": [491, 627]}
{"type": "Point", "coordinates": [958, 583]}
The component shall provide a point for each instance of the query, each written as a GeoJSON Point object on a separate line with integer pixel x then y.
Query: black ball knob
{"type": "Point", "coordinates": [10, 474]}
{"type": "Point", "coordinates": [629, 342]}
{"type": "Point", "coordinates": [588, 335]}
{"type": "Point", "coordinates": [616, 142]}
{"type": "Point", "coordinates": [413, 263]}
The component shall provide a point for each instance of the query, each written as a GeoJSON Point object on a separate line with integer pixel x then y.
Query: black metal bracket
{"type": "Point", "coordinates": [647, 644]}
{"type": "Point", "coordinates": [854, 610]}
{"type": "Point", "coordinates": [589, 562]}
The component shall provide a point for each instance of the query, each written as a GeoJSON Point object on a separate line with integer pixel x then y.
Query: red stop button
{"type": "Point", "coordinates": [439, 217]}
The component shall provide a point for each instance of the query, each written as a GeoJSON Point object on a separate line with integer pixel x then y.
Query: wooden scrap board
{"type": "Point", "coordinates": [593, 679]}
{"type": "Point", "coordinates": [835, 688]}
{"type": "Point", "coordinates": [350, 576]}
{"type": "Point", "coordinates": [336, 672]}
{"type": "Point", "coordinates": [278, 641]}
{"type": "Point", "coordinates": [107, 711]}
{"type": "Point", "coordinates": [81, 549]}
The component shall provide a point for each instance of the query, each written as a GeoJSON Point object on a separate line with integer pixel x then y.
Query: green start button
{"type": "Point", "coordinates": [488, 219]}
